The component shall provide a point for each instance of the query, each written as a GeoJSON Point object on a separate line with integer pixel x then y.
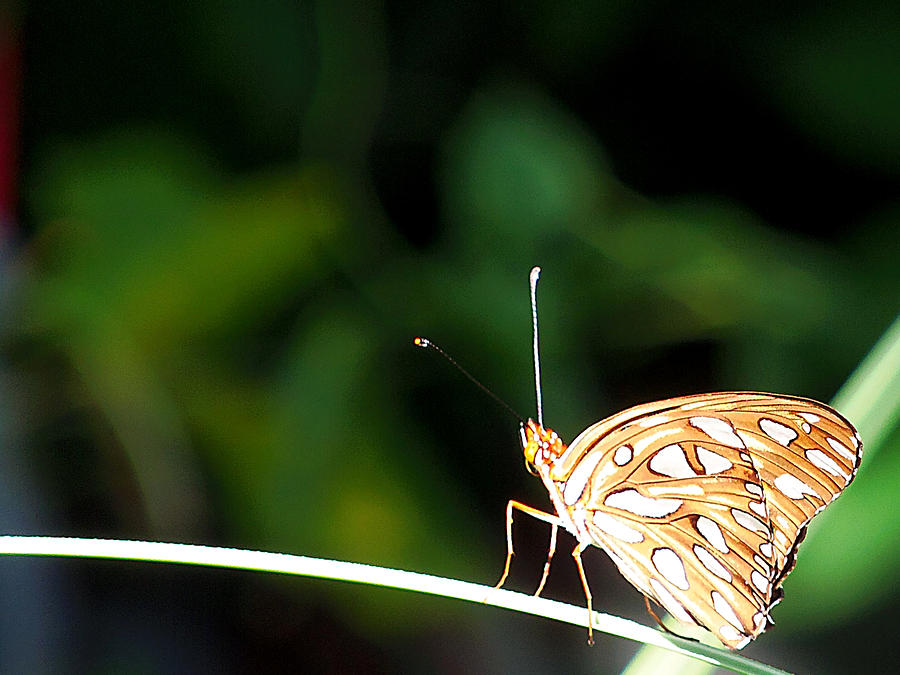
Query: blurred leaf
{"type": "Point", "coordinates": [142, 268]}
{"type": "Point", "coordinates": [724, 267]}
{"type": "Point", "coordinates": [518, 167]}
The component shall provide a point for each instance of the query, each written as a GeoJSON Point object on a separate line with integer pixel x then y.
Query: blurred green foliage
{"type": "Point", "coordinates": [219, 278]}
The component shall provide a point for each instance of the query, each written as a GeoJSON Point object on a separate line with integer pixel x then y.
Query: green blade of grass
{"type": "Point", "coordinates": [282, 563]}
{"type": "Point", "coordinates": [871, 396]}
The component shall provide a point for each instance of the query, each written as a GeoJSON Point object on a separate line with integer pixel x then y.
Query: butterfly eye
{"type": "Point", "coordinates": [531, 468]}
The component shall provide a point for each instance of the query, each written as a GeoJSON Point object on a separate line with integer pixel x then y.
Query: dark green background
{"type": "Point", "coordinates": [234, 217]}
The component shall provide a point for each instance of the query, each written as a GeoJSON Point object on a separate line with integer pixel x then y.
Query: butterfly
{"type": "Point", "coordinates": [700, 501]}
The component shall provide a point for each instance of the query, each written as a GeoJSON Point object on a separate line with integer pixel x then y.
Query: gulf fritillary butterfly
{"type": "Point", "coordinates": [701, 501]}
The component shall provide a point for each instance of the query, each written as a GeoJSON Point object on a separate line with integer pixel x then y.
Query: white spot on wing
{"type": "Point", "coordinates": [841, 449]}
{"type": "Point", "coordinates": [710, 531]}
{"type": "Point", "coordinates": [654, 421]}
{"type": "Point", "coordinates": [669, 565]}
{"type": "Point", "coordinates": [809, 417]}
{"type": "Point", "coordinates": [806, 428]}
{"type": "Point", "coordinates": [708, 560]}
{"type": "Point", "coordinates": [824, 462]}
{"type": "Point", "coordinates": [616, 528]}
{"type": "Point", "coordinates": [634, 502]}
{"type": "Point", "coordinates": [759, 581]}
{"type": "Point", "coordinates": [729, 633]}
{"type": "Point", "coordinates": [793, 487]}
{"type": "Point", "coordinates": [725, 610]}
{"type": "Point", "coordinates": [777, 431]}
{"type": "Point", "coordinates": [759, 508]}
{"type": "Point", "coordinates": [668, 601]}
{"type": "Point", "coordinates": [580, 476]}
{"type": "Point", "coordinates": [766, 549]}
{"type": "Point", "coordinates": [717, 429]}
{"type": "Point", "coordinates": [744, 519]}
{"type": "Point", "coordinates": [713, 462]}
{"type": "Point", "coordinates": [754, 489]}
{"type": "Point", "coordinates": [623, 455]}
{"type": "Point", "coordinates": [670, 461]}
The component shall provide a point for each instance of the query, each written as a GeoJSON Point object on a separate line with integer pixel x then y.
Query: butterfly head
{"type": "Point", "coordinates": [540, 445]}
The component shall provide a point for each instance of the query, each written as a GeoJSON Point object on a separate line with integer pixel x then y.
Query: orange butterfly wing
{"type": "Point", "coordinates": [702, 500]}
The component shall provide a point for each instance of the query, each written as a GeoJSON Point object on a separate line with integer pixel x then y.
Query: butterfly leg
{"type": "Point", "coordinates": [576, 554]}
{"type": "Point", "coordinates": [550, 551]}
{"type": "Point", "coordinates": [534, 513]}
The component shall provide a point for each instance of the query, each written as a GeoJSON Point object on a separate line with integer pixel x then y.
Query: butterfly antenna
{"type": "Point", "coordinates": [532, 280]}
{"type": "Point", "coordinates": [425, 343]}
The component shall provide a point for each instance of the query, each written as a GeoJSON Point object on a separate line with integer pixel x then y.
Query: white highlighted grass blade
{"type": "Point", "coordinates": [380, 576]}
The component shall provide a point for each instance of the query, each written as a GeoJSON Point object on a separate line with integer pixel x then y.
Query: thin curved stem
{"type": "Point", "coordinates": [368, 574]}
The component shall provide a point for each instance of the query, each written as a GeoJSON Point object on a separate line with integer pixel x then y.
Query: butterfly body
{"type": "Point", "coordinates": [701, 500]}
